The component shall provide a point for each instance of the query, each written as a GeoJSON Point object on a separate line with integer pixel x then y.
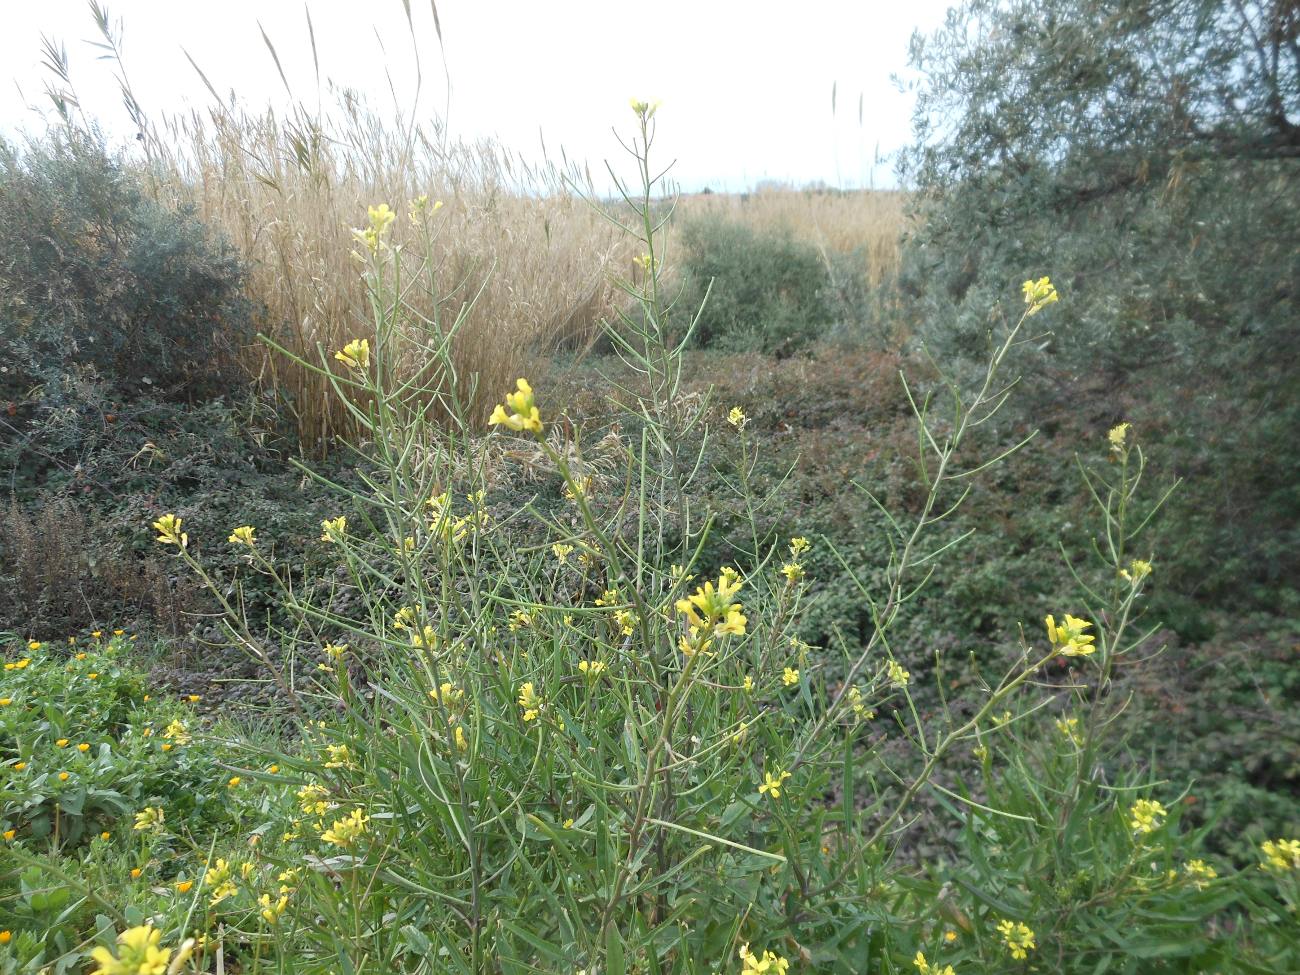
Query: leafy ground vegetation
{"type": "Point", "coordinates": [832, 606]}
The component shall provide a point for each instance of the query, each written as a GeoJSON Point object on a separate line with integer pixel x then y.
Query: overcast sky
{"type": "Point", "coordinates": [746, 87]}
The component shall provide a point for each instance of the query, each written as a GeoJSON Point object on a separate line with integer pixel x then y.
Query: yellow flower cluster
{"type": "Point", "coordinates": [768, 963]}
{"type": "Point", "coordinates": [713, 612]}
{"type": "Point", "coordinates": [139, 952]}
{"type": "Point", "coordinates": [1280, 855]}
{"type": "Point", "coordinates": [217, 879]}
{"type": "Point", "coordinates": [530, 702]}
{"type": "Point", "coordinates": [897, 675]}
{"type": "Point", "coordinates": [1018, 937]}
{"type": "Point", "coordinates": [169, 531]}
{"type": "Point", "coordinates": [355, 355]}
{"type": "Point", "coordinates": [1200, 872]}
{"type": "Point", "coordinates": [1068, 638]}
{"type": "Point", "coordinates": [737, 418]}
{"type": "Point", "coordinates": [381, 218]}
{"type": "Point", "coordinates": [333, 529]}
{"type": "Point", "coordinates": [523, 413]}
{"type": "Point", "coordinates": [1146, 816]}
{"type": "Point", "coordinates": [1039, 294]}
{"type": "Point", "coordinates": [1137, 570]}
{"type": "Point", "coordinates": [150, 818]}
{"type": "Point", "coordinates": [346, 831]}
{"type": "Point", "coordinates": [244, 535]}
{"type": "Point", "coordinates": [1117, 436]}
{"type": "Point", "coordinates": [923, 967]}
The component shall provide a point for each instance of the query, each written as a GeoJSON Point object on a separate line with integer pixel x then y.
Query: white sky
{"type": "Point", "coordinates": [746, 87]}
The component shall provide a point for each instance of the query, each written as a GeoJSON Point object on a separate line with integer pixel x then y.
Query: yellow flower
{"type": "Point", "coordinates": [1137, 570]}
{"type": "Point", "coordinates": [766, 964]}
{"type": "Point", "coordinates": [448, 694]}
{"type": "Point", "coordinates": [1069, 727]}
{"type": "Point", "coordinates": [562, 551]}
{"type": "Point", "coordinates": [1018, 937]}
{"type": "Point", "coordinates": [425, 639]}
{"type": "Point", "coordinates": [138, 953]}
{"type": "Point", "coordinates": [119, 632]}
{"type": "Point", "coordinates": [93, 676]}
{"type": "Point", "coordinates": [1146, 815]}
{"type": "Point", "coordinates": [1117, 436]}
{"type": "Point", "coordinates": [711, 611]}
{"type": "Point", "coordinates": [177, 733]}
{"type": "Point", "coordinates": [271, 911]}
{"type": "Point", "coordinates": [34, 645]}
{"type": "Point", "coordinates": [793, 572]}
{"type": "Point", "coordinates": [1068, 639]}
{"type": "Point", "coordinates": [135, 873]}
{"type": "Point", "coordinates": [64, 776]}
{"type": "Point", "coordinates": [772, 784]}
{"type": "Point", "coordinates": [333, 529]}
{"type": "Point", "coordinates": [923, 967]}
{"type": "Point", "coordinates": [150, 817]}
{"type": "Point", "coordinates": [83, 747]}
{"type": "Point", "coordinates": [169, 533]}
{"type": "Point", "coordinates": [243, 535]}
{"type": "Point", "coordinates": [790, 676]}
{"type": "Point", "coordinates": [194, 698]}
{"type": "Point", "coordinates": [6, 701]}
{"type": "Point", "coordinates": [462, 742]}
{"type": "Point", "coordinates": [234, 781]}
{"type": "Point", "coordinates": [348, 830]}
{"type": "Point", "coordinates": [9, 834]}
{"type": "Point", "coordinates": [217, 877]}
{"type": "Point", "coordinates": [313, 799]}
{"type": "Point", "coordinates": [737, 418]}
{"type": "Point", "coordinates": [184, 886]}
{"type": "Point", "coordinates": [592, 668]}
{"type": "Point", "coordinates": [799, 545]}
{"type": "Point", "coordinates": [1200, 872]}
{"type": "Point", "coordinates": [1039, 294]}
{"type": "Point", "coordinates": [529, 701]}
{"type": "Point", "coordinates": [897, 675]}
{"type": "Point", "coordinates": [381, 217]}
{"type": "Point", "coordinates": [335, 651]}
{"type": "Point", "coordinates": [1280, 855]}
{"type": "Point", "coordinates": [61, 743]}
{"type": "Point", "coordinates": [747, 685]}
{"type": "Point", "coordinates": [6, 936]}
{"type": "Point", "coordinates": [340, 756]}
{"type": "Point", "coordinates": [523, 415]}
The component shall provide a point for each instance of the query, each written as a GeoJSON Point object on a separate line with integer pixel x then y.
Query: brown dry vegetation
{"type": "Point", "coordinates": [867, 223]}
{"type": "Point", "coordinates": [286, 191]}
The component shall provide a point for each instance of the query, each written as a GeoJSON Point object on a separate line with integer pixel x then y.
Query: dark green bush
{"type": "Point", "coordinates": [98, 280]}
{"type": "Point", "coordinates": [1165, 214]}
{"type": "Point", "coordinates": [769, 292]}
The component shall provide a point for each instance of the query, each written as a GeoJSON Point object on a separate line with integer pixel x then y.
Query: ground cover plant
{"type": "Point", "coordinates": [615, 751]}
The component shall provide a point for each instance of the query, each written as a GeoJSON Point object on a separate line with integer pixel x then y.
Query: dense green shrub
{"type": "Point", "coordinates": [1066, 148]}
{"type": "Point", "coordinates": [766, 291]}
{"type": "Point", "coordinates": [98, 280]}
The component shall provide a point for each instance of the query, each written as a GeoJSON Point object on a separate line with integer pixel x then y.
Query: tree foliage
{"type": "Point", "coordinates": [1146, 154]}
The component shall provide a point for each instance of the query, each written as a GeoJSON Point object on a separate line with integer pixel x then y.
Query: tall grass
{"type": "Point", "coordinates": [532, 266]}
{"type": "Point", "coordinates": [864, 223]}
{"type": "Point", "coordinates": [286, 190]}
